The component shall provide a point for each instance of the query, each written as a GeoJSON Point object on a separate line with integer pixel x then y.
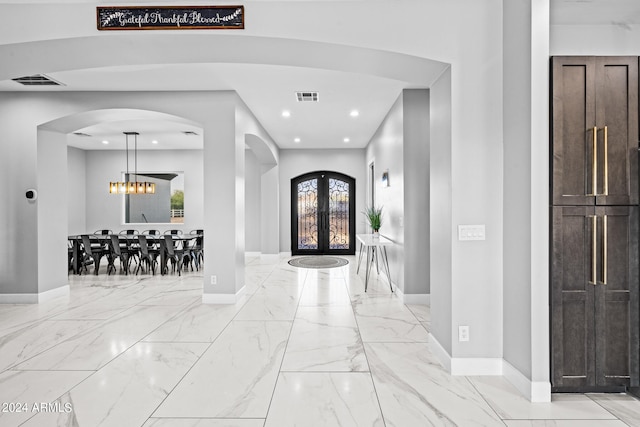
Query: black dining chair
{"type": "Point", "coordinates": [129, 232]}
{"type": "Point", "coordinates": [120, 253]}
{"type": "Point", "coordinates": [151, 232]}
{"type": "Point", "coordinates": [103, 232]}
{"type": "Point", "coordinates": [70, 260]}
{"type": "Point", "coordinates": [173, 232]}
{"type": "Point", "coordinates": [93, 253]}
{"type": "Point", "coordinates": [148, 255]}
{"type": "Point", "coordinates": [173, 253]}
{"type": "Point", "coordinates": [196, 248]}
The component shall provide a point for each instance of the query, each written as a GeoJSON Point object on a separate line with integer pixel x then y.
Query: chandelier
{"type": "Point", "coordinates": [127, 186]}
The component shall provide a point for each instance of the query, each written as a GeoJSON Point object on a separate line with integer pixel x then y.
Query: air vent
{"type": "Point", "coordinates": [81, 134]}
{"type": "Point", "coordinates": [307, 96]}
{"type": "Point", "coordinates": [37, 80]}
{"type": "Point", "coordinates": [189, 133]}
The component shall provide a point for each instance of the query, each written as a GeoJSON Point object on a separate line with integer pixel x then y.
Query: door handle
{"type": "Point", "coordinates": [594, 166]}
{"type": "Point", "coordinates": [606, 162]}
{"type": "Point", "coordinates": [594, 241]}
{"type": "Point", "coordinates": [604, 249]}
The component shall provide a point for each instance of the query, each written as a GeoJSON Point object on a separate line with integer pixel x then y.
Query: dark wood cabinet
{"type": "Point", "coordinates": [594, 300]}
{"type": "Point", "coordinates": [595, 281]}
{"type": "Point", "coordinates": [594, 130]}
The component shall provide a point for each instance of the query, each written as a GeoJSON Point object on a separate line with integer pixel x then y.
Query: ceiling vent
{"type": "Point", "coordinates": [81, 134]}
{"type": "Point", "coordinates": [37, 80]}
{"type": "Point", "coordinates": [307, 96]}
{"type": "Point", "coordinates": [189, 133]}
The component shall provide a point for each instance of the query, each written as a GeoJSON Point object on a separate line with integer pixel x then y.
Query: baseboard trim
{"type": "Point", "coordinates": [440, 353]}
{"type": "Point", "coordinates": [35, 298]}
{"type": "Point", "coordinates": [417, 299]}
{"type": "Point", "coordinates": [534, 391]}
{"type": "Point", "coordinates": [468, 366]}
{"type": "Point", "coordinates": [223, 298]}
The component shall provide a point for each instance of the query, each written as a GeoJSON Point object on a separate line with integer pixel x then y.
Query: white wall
{"type": "Point", "coordinates": [606, 40]}
{"type": "Point", "coordinates": [105, 211]}
{"type": "Point", "coordinates": [401, 147]}
{"type": "Point", "coordinates": [417, 201]}
{"type": "Point", "coordinates": [77, 190]}
{"type": "Point", "coordinates": [293, 163]}
{"type": "Point", "coordinates": [52, 212]}
{"type": "Point", "coordinates": [385, 150]}
{"type": "Point", "coordinates": [441, 229]}
{"type": "Point", "coordinates": [252, 219]}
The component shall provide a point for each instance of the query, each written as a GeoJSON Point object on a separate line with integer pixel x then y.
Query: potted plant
{"type": "Point", "coordinates": [374, 215]}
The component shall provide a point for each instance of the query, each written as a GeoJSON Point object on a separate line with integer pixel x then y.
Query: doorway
{"type": "Point", "coordinates": [323, 214]}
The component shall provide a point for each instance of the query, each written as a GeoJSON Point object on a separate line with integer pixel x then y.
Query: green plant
{"type": "Point", "coordinates": [374, 215]}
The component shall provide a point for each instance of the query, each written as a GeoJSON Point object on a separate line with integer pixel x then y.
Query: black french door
{"type": "Point", "coordinates": [323, 214]}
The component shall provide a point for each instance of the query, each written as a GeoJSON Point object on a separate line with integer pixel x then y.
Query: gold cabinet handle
{"type": "Point", "coordinates": [604, 250]}
{"type": "Point", "coordinates": [594, 241]}
{"type": "Point", "coordinates": [606, 163]}
{"type": "Point", "coordinates": [594, 167]}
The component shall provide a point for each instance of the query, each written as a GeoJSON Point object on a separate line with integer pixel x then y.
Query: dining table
{"type": "Point", "coordinates": [180, 242]}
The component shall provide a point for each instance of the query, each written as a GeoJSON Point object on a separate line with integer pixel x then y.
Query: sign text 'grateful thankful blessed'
{"type": "Point", "coordinates": [170, 18]}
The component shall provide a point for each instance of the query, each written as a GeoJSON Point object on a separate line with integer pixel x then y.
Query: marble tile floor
{"type": "Point", "coordinates": [302, 347]}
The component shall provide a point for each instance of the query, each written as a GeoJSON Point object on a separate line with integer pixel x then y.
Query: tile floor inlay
{"type": "Point", "coordinates": [301, 347]}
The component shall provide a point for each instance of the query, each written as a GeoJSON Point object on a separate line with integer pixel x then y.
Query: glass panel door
{"type": "Point", "coordinates": [322, 213]}
{"type": "Point", "coordinates": [307, 203]}
{"type": "Point", "coordinates": [338, 214]}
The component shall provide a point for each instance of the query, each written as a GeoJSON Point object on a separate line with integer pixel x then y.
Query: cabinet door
{"type": "Point", "coordinates": [617, 130]}
{"type": "Point", "coordinates": [616, 297]}
{"type": "Point", "coordinates": [594, 130]}
{"type": "Point", "coordinates": [573, 109]}
{"type": "Point", "coordinates": [572, 297]}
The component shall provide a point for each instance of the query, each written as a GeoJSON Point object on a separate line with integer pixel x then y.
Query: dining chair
{"type": "Point", "coordinates": [173, 232]}
{"type": "Point", "coordinates": [196, 248]}
{"type": "Point", "coordinates": [129, 232]}
{"type": "Point", "coordinates": [151, 232]}
{"type": "Point", "coordinates": [103, 232]}
{"type": "Point", "coordinates": [118, 252]}
{"type": "Point", "coordinates": [70, 260]}
{"type": "Point", "coordinates": [93, 253]}
{"type": "Point", "coordinates": [147, 255]}
{"type": "Point", "coordinates": [173, 254]}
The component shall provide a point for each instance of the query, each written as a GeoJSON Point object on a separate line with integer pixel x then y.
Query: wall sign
{"type": "Point", "coordinates": [170, 18]}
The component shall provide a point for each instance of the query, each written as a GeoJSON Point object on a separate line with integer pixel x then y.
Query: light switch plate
{"type": "Point", "coordinates": [471, 232]}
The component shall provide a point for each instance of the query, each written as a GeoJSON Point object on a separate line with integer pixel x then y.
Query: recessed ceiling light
{"type": "Point", "coordinates": [296, 140]}
{"type": "Point", "coordinates": [286, 113]}
{"type": "Point", "coordinates": [105, 142]}
{"type": "Point", "coordinates": [346, 140]}
{"type": "Point", "coordinates": [154, 142]}
{"type": "Point", "coordinates": [354, 113]}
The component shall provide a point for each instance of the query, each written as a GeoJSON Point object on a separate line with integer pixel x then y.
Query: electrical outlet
{"type": "Point", "coordinates": [214, 280]}
{"type": "Point", "coordinates": [463, 333]}
{"type": "Point", "coordinates": [471, 232]}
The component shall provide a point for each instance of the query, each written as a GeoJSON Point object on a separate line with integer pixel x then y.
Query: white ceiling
{"type": "Point", "coordinates": [268, 90]}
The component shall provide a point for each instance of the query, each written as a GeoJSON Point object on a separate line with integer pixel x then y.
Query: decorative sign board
{"type": "Point", "coordinates": [170, 18]}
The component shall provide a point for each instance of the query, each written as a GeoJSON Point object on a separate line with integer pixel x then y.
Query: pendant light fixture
{"type": "Point", "coordinates": [127, 186]}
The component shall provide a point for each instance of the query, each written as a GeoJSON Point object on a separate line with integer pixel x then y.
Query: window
{"type": "Point", "coordinates": [165, 206]}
